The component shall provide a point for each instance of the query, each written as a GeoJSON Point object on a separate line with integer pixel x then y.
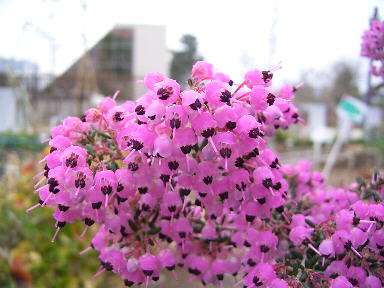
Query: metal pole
{"type": "Point", "coordinates": [345, 126]}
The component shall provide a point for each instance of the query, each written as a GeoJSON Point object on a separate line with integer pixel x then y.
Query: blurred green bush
{"type": "Point", "coordinates": [19, 141]}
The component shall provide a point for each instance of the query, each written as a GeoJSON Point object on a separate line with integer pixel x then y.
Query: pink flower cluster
{"type": "Point", "coordinates": [341, 229]}
{"type": "Point", "coordinates": [372, 46]}
{"type": "Point", "coordinates": [176, 178]}
{"type": "Point", "coordinates": [186, 180]}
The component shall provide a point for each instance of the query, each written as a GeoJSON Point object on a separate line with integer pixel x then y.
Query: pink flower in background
{"type": "Point", "coordinates": [372, 46]}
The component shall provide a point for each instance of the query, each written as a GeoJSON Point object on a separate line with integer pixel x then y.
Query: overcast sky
{"type": "Point", "coordinates": [233, 35]}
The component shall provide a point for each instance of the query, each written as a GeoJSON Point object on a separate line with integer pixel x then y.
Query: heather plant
{"type": "Point", "coordinates": [372, 47]}
{"type": "Point", "coordinates": [186, 180]}
{"type": "Point", "coordinates": [335, 235]}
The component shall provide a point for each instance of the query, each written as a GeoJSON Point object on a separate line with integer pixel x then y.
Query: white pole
{"type": "Point", "coordinates": [316, 152]}
{"type": "Point", "coordinates": [345, 126]}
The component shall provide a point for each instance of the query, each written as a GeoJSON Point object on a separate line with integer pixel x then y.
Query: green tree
{"type": "Point", "coordinates": [184, 59]}
{"type": "Point", "coordinates": [344, 81]}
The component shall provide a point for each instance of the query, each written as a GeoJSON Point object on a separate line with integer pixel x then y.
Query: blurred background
{"type": "Point", "coordinates": [58, 58]}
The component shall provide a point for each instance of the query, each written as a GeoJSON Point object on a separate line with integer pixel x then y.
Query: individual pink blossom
{"type": "Point", "coordinates": [202, 70]}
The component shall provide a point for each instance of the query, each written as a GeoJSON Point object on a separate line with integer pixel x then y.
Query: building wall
{"type": "Point", "coordinates": [149, 53]}
{"type": "Point", "coordinates": [8, 119]}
